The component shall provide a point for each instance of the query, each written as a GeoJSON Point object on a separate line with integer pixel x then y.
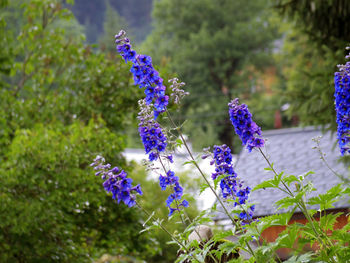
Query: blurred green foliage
{"type": "Point", "coordinates": [93, 14]}
{"type": "Point", "coordinates": [324, 21]}
{"type": "Point", "coordinates": [61, 104]}
{"type": "Point", "coordinates": [52, 207]}
{"type": "Point", "coordinates": [154, 200]}
{"type": "Point", "coordinates": [315, 41]}
{"type": "Point", "coordinates": [216, 47]}
{"type": "Point", "coordinates": [113, 22]}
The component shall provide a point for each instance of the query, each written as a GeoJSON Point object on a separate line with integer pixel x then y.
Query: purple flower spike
{"type": "Point", "coordinates": [145, 76]}
{"type": "Point", "coordinates": [342, 106]}
{"type": "Point", "coordinates": [117, 182]}
{"type": "Point", "coordinates": [247, 130]}
{"type": "Point", "coordinates": [230, 185]}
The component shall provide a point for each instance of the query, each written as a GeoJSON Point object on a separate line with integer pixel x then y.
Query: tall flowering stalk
{"type": "Point", "coordinates": [155, 142]}
{"type": "Point", "coordinates": [342, 105]}
{"type": "Point", "coordinates": [231, 186]}
{"type": "Point", "coordinates": [117, 183]}
{"type": "Point", "coordinates": [144, 74]}
{"type": "Point", "coordinates": [247, 130]}
{"type": "Point", "coordinates": [151, 133]}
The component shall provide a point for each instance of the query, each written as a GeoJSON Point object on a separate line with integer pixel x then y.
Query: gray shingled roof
{"type": "Point", "coordinates": [291, 150]}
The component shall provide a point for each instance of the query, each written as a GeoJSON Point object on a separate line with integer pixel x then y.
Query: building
{"type": "Point", "coordinates": [292, 151]}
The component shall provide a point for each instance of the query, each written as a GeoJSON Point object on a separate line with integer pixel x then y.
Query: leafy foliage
{"type": "Point", "coordinates": [93, 14]}
{"type": "Point", "coordinates": [52, 209]}
{"type": "Point", "coordinates": [323, 21]}
{"type": "Point", "coordinates": [208, 47]}
{"type": "Point", "coordinates": [314, 45]}
{"type": "Point", "coordinates": [61, 103]}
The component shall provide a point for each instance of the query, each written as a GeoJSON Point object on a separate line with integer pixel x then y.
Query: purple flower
{"type": "Point", "coordinates": [152, 138]}
{"type": "Point", "coordinates": [116, 182]}
{"type": "Point", "coordinates": [161, 103]}
{"type": "Point", "coordinates": [145, 76]}
{"type": "Point", "coordinates": [230, 185]}
{"type": "Point", "coordinates": [170, 158]}
{"type": "Point", "coordinates": [342, 106]}
{"type": "Point", "coordinates": [223, 161]}
{"type": "Point", "coordinates": [184, 203]}
{"type": "Point", "coordinates": [247, 130]}
{"type": "Point", "coordinates": [153, 156]}
{"type": "Point", "coordinates": [177, 191]}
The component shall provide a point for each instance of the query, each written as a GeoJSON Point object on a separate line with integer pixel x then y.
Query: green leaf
{"type": "Point", "coordinates": [275, 220]}
{"type": "Point", "coordinates": [179, 143]}
{"type": "Point", "coordinates": [290, 179]}
{"type": "Point", "coordinates": [269, 168]}
{"type": "Point", "coordinates": [182, 258]}
{"type": "Point", "coordinates": [190, 162]}
{"type": "Point", "coordinates": [149, 218]}
{"type": "Point", "coordinates": [228, 246]}
{"type": "Point", "coordinates": [328, 220]}
{"type": "Point", "coordinates": [272, 183]}
{"type": "Point", "coordinates": [325, 201]}
{"type": "Point", "coordinates": [288, 238]}
{"type": "Point", "coordinates": [288, 201]}
{"type": "Point", "coordinates": [305, 258]}
{"type": "Point", "coordinates": [203, 187]}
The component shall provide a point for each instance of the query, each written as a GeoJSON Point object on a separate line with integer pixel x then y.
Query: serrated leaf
{"type": "Point", "coordinates": [272, 183]}
{"type": "Point", "coordinates": [275, 220]}
{"type": "Point", "coordinates": [325, 201]}
{"type": "Point", "coordinates": [179, 143]}
{"type": "Point", "coordinates": [189, 162]}
{"type": "Point", "coordinates": [327, 221]}
{"type": "Point", "coordinates": [203, 187]}
{"type": "Point", "coordinates": [193, 244]}
{"type": "Point", "coordinates": [223, 234]}
{"type": "Point", "coordinates": [290, 179]}
{"type": "Point", "coordinates": [279, 177]}
{"type": "Point", "coordinates": [287, 202]}
{"type": "Point", "coordinates": [228, 246]}
{"type": "Point", "coordinates": [288, 237]}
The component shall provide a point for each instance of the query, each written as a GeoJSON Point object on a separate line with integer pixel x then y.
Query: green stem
{"type": "Point", "coordinates": [301, 205]}
{"type": "Point", "coordinates": [167, 231]}
{"type": "Point", "coordinates": [180, 211]}
{"type": "Point", "coordinates": [344, 179]}
{"type": "Point", "coordinates": [206, 180]}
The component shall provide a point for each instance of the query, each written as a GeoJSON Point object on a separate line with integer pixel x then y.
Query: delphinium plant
{"type": "Point", "coordinates": [342, 105]}
{"type": "Point", "coordinates": [231, 192]}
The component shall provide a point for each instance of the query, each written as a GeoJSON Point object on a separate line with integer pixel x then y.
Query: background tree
{"type": "Point", "coordinates": [112, 25]}
{"type": "Point", "coordinates": [325, 22]}
{"type": "Point", "coordinates": [53, 208]}
{"type": "Point", "coordinates": [314, 44]}
{"type": "Point", "coordinates": [93, 13]}
{"type": "Point", "coordinates": [209, 43]}
{"type": "Point", "coordinates": [61, 104]}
